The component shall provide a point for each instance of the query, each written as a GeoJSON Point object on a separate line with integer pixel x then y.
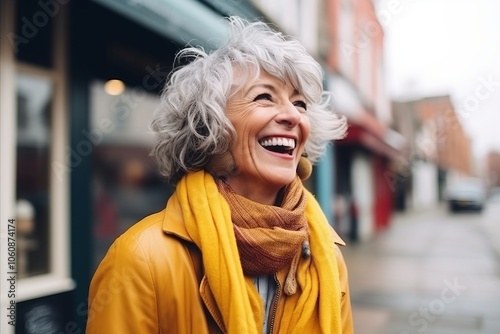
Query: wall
{"type": "Point", "coordinates": [425, 187]}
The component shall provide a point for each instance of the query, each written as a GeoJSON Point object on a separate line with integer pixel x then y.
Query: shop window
{"type": "Point", "coordinates": [34, 101]}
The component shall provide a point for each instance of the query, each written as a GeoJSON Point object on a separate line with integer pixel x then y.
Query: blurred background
{"type": "Point", "coordinates": [414, 187]}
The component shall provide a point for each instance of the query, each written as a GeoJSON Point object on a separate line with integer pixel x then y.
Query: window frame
{"type": "Point", "coordinates": [58, 279]}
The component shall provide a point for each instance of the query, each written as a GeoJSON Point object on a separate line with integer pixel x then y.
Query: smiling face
{"type": "Point", "coordinates": [272, 127]}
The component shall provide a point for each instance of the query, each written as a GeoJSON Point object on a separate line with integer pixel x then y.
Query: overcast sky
{"type": "Point", "coordinates": [436, 47]}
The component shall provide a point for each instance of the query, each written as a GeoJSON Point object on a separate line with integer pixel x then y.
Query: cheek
{"type": "Point", "coordinates": [245, 122]}
{"type": "Point", "coordinates": [238, 111]}
{"type": "Point", "coordinates": [306, 128]}
{"type": "Point", "coordinates": [243, 140]}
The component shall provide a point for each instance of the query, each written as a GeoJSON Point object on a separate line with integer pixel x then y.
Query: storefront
{"type": "Point", "coordinates": [79, 83]}
{"type": "Point", "coordinates": [364, 181]}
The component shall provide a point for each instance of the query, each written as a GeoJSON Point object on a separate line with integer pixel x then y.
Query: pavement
{"type": "Point", "coordinates": [429, 272]}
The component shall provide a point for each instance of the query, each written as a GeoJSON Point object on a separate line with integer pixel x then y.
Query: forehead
{"type": "Point", "coordinates": [244, 81]}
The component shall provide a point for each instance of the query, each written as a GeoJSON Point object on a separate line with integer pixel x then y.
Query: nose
{"type": "Point", "coordinates": [289, 115]}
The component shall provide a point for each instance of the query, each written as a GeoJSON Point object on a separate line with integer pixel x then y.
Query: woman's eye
{"type": "Point", "coordinates": [264, 96]}
{"type": "Point", "coordinates": [300, 104]}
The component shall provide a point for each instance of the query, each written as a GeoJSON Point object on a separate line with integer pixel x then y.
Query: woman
{"type": "Point", "coordinates": [241, 247]}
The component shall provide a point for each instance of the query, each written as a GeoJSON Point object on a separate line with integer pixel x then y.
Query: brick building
{"type": "Point", "coordinates": [438, 150]}
{"type": "Point", "coordinates": [453, 146]}
{"type": "Point", "coordinates": [363, 193]}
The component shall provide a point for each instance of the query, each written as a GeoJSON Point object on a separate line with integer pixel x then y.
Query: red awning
{"type": "Point", "coordinates": [368, 132]}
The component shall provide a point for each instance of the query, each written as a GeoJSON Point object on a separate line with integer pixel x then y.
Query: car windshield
{"type": "Point", "coordinates": [468, 186]}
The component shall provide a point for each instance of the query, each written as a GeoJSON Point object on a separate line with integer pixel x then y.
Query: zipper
{"type": "Point", "coordinates": [275, 305]}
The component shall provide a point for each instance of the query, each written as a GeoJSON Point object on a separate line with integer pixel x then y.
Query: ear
{"type": "Point", "coordinates": [304, 168]}
{"type": "Point", "coordinates": [221, 165]}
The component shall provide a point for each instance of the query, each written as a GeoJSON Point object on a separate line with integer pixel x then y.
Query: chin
{"type": "Point", "coordinates": [281, 179]}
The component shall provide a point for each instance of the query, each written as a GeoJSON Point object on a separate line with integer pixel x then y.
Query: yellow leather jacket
{"type": "Point", "coordinates": [151, 281]}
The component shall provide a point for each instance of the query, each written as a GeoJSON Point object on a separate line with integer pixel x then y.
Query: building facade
{"type": "Point", "coordinates": [363, 187]}
{"type": "Point", "coordinates": [439, 151]}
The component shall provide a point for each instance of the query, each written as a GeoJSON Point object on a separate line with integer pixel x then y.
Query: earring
{"type": "Point", "coordinates": [304, 168]}
{"type": "Point", "coordinates": [221, 165]}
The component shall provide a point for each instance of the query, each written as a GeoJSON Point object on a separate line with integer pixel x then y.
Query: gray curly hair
{"type": "Point", "coordinates": [192, 126]}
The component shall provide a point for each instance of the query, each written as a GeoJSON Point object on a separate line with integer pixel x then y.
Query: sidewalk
{"type": "Point", "coordinates": [430, 272]}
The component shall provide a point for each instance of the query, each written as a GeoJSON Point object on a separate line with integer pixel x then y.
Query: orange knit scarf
{"type": "Point", "coordinates": [268, 237]}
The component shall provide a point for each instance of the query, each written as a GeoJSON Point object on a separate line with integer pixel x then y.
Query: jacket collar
{"type": "Point", "coordinates": [173, 223]}
{"type": "Point", "coordinates": [336, 238]}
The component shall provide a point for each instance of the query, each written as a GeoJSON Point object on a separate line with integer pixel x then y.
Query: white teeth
{"type": "Point", "coordinates": [279, 141]}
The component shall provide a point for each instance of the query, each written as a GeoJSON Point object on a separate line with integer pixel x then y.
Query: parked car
{"type": "Point", "coordinates": [467, 193]}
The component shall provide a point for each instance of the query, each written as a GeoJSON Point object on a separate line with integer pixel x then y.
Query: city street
{"type": "Point", "coordinates": [430, 272]}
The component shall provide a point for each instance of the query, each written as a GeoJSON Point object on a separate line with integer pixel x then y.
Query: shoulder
{"type": "Point", "coordinates": [146, 231]}
{"type": "Point", "coordinates": [148, 227]}
{"type": "Point", "coordinates": [146, 240]}
{"type": "Point", "coordinates": [132, 248]}
{"type": "Point", "coordinates": [141, 265]}
{"type": "Point", "coordinates": [130, 254]}
{"type": "Point", "coordinates": [146, 259]}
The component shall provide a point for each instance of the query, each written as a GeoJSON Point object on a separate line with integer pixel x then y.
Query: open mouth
{"type": "Point", "coordinates": [278, 144]}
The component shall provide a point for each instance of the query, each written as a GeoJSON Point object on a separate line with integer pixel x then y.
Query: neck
{"type": "Point", "coordinates": [263, 195]}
